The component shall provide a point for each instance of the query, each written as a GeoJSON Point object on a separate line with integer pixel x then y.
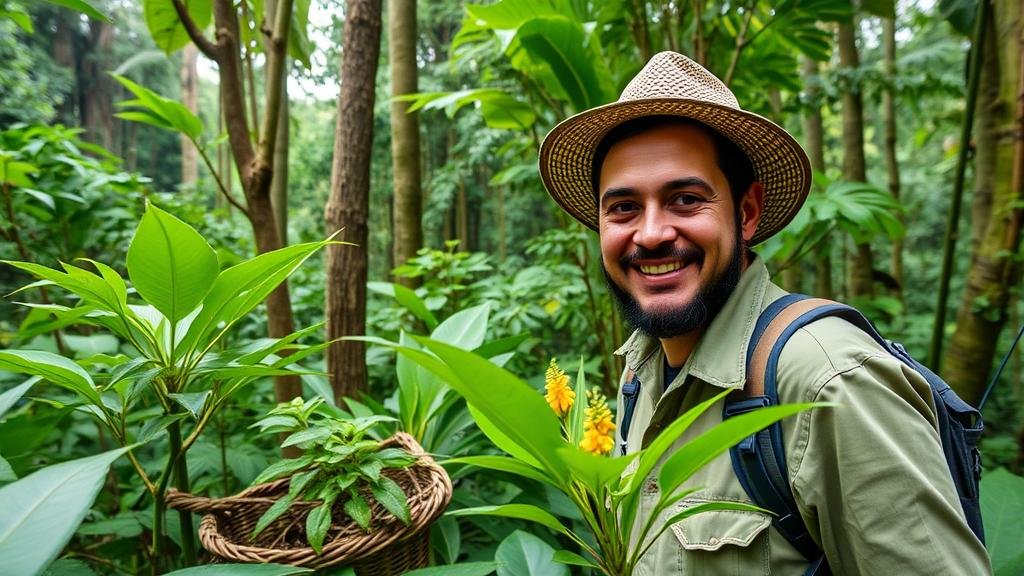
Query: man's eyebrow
{"type": "Point", "coordinates": [688, 182]}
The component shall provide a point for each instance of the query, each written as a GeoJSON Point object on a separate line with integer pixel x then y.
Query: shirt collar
{"type": "Point", "coordinates": [720, 357]}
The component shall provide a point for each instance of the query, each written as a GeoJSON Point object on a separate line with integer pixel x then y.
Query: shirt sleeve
{"type": "Point", "coordinates": [869, 475]}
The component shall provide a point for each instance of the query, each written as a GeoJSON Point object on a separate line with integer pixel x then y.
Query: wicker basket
{"type": "Point", "coordinates": [390, 547]}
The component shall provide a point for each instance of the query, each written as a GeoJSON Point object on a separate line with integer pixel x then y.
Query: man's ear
{"type": "Point", "coordinates": [751, 206]}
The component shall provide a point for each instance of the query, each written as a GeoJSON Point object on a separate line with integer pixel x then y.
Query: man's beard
{"type": "Point", "coordinates": [686, 317]}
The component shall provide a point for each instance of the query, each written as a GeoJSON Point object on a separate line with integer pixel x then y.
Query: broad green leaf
{"type": "Point", "coordinates": [317, 522]}
{"type": "Point", "coordinates": [192, 401]}
{"type": "Point", "coordinates": [515, 408]}
{"type": "Point", "coordinates": [68, 567]}
{"type": "Point", "coordinates": [463, 569]}
{"type": "Point", "coordinates": [595, 472]}
{"type": "Point", "coordinates": [40, 512]}
{"type": "Point", "coordinates": [559, 42]}
{"type": "Point", "coordinates": [520, 511]}
{"type": "Point", "coordinates": [567, 557]}
{"type": "Point", "coordinates": [391, 496]}
{"type": "Point", "coordinates": [408, 374]}
{"type": "Point", "coordinates": [501, 440]}
{"type": "Point", "coordinates": [53, 367]}
{"type": "Point", "coordinates": [8, 398]}
{"type": "Point", "coordinates": [446, 539]}
{"type": "Point", "coordinates": [90, 287]}
{"type": "Point", "coordinates": [6, 472]}
{"type": "Point", "coordinates": [91, 345]}
{"type": "Point", "coordinates": [464, 329]}
{"type": "Point", "coordinates": [170, 264]}
{"type": "Point", "coordinates": [162, 112]}
{"type": "Point", "coordinates": [1002, 506]}
{"type": "Point", "coordinates": [512, 14]}
{"type": "Point", "coordinates": [240, 570]}
{"type": "Point", "coordinates": [357, 509]}
{"type": "Point", "coordinates": [523, 554]}
{"type": "Point", "coordinates": [696, 453]}
{"type": "Point", "coordinates": [273, 513]}
{"type": "Point", "coordinates": [307, 435]}
{"type": "Point", "coordinates": [260, 349]}
{"type": "Point", "coordinates": [299, 46]}
{"type": "Point", "coordinates": [408, 299]}
{"type": "Point", "coordinates": [283, 468]}
{"type": "Point", "coordinates": [83, 7]}
{"type": "Point", "coordinates": [165, 26]}
{"type": "Point", "coordinates": [238, 289]}
{"type": "Point", "coordinates": [502, 464]}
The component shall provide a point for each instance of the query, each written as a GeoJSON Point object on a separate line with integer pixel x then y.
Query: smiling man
{"type": "Point", "coordinates": [680, 182]}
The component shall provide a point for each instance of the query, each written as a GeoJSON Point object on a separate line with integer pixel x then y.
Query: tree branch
{"type": "Point", "coordinates": [277, 46]}
{"type": "Point", "coordinates": [208, 48]}
{"type": "Point", "coordinates": [741, 43]}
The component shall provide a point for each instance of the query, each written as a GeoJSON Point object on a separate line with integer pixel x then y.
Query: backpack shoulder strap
{"type": "Point", "coordinates": [630, 393]}
{"type": "Point", "coordinates": [759, 460]}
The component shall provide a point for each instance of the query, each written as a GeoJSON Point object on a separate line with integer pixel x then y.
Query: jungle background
{"type": "Point", "coordinates": [413, 128]}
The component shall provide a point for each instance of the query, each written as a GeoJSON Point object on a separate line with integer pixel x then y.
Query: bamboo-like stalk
{"type": "Point", "coordinates": [949, 243]}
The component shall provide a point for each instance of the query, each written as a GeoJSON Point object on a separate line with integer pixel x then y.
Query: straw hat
{"type": "Point", "coordinates": [672, 84]}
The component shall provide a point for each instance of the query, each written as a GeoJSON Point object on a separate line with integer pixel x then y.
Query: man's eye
{"type": "Point", "coordinates": [621, 208]}
{"type": "Point", "coordinates": [687, 199]}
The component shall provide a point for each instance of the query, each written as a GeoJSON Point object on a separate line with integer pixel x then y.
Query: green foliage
{"type": "Point", "coordinates": [517, 419]}
{"type": "Point", "coordinates": [1002, 505]}
{"type": "Point", "coordinates": [336, 461]}
{"type": "Point", "coordinates": [39, 513]}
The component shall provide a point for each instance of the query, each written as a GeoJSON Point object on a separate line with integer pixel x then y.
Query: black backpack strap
{"type": "Point", "coordinates": [759, 460]}
{"type": "Point", "coordinates": [630, 393]}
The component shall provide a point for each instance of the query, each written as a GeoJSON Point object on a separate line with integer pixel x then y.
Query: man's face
{"type": "Point", "coordinates": [671, 235]}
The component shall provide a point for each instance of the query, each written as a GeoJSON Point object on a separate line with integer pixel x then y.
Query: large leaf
{"type": "Point", "coordinates": [238, 289]}
{"type": "Point", "coordinates": [92, 288]}
{"type": "Point", "coordinates": [8, 398]}
{"type": "Point", "coordinates": [502, 464]}
{"type": "Point", "coordinates": [465, 329]}
{"type": "Point", "coordinates": [152, 108]}
{"type": "Point", "coordinates": [170, 264]}
{"type": "Point", "coordinates": [40, 513]}
{"type": "Point", "coordinates": [53, 367]}
{"type": "Point", "coordinates": [520, 511]}
{"type": "Point", "coordinates": [408, 299]}
{"type": "Point", "coordinates": [560, 43]}
{"type": "Point", "coordinates": [510, 404]}
{"type": "Point", "coordinates": [1002, 507]}
{"type": "Point", "coordinates": [240, 570]}
{"type": "Point", "coordinates": [83, 7]}
{"type": "Point", "coordinates": [595, 472]}
{"type": "Point", "coordinates": [165, 26]}
{"type": "Point", "coordinates": [523, 554]}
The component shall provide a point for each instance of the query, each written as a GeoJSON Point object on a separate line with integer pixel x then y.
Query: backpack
{"type": "Point", "coordinates": [759, 460]}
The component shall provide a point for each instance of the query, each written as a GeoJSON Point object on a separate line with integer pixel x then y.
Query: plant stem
{"type": "Point", "coordinates": [181, 482]}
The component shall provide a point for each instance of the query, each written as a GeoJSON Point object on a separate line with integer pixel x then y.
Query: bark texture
{"type": "Point", "coordinates": [861, 264]}
{"type": "Point", "coordinates": [190, 98]}
{"type": "Point", "coordinates": [892, 166]}
{"type": "Point", "coordinates": [348, 204]}
{"type": "Point", "coordinates": [984, 308]}
{"type": "Point", "coordinates": [405, 134]}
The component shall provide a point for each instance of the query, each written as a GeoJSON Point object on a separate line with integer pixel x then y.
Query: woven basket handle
{"type": "Point", "coordinates": [200, 504]}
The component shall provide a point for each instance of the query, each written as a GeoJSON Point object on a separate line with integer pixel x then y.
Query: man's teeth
{"type": "Point", "coordinates": [661, 268]}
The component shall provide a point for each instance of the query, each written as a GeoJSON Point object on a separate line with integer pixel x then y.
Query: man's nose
{"type": "Point", "coordinates": [655, 230]}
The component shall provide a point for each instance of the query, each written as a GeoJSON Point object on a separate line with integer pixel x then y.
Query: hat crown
{"type": "Point", "coordinates": [672, 75]}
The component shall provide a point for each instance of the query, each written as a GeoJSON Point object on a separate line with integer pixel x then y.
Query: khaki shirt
{"type": "Point", "coordinates": [869, 477]}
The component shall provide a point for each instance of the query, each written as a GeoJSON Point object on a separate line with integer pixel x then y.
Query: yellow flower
{"type": "Point", "coordinates": [597, 426]}
{"type": "Point", "coordinates": [559, 396]}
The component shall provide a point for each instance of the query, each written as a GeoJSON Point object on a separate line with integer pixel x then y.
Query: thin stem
{"type": "Point", "coordinates": [181, 481]}
{"type": "Point", "coordinates": [220, 183]}
{"type": "Point", "coordinates": [741, 43]}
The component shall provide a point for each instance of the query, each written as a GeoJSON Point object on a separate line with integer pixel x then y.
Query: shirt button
{"type": "Point", "coordinates": [713, 541]}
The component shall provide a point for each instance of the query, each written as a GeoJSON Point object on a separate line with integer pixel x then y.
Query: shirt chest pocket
{"type": "Point", "coordinates": [722, 542]}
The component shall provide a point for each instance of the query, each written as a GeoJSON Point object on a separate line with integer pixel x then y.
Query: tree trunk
{"type": "Point", "coordinates": [984, 308]}
{"type": "Point", "coordinates": [279, 183]}
{"type": "Point", "coordinates": [98, 110]}
{"type": "Point", "coordinates": [861, 263]}
{"type": "Point", "coordinates": [986, 140]}
{"type": "Point", "coordinates": [892, 166]}
{"type": "Point", "coordinates": [190, 98]}
{"type": "Point", "coordinates": [64, 55]}
{"type": "Point", "coordinates": [348, 204]}
{"type": "Point", "coordinates": [405, 134]}
{"type": "Point", "coordinates": [814, 143]}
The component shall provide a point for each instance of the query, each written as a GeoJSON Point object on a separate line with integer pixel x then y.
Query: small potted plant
{"type": "Point", "coordinates": [347, 499]}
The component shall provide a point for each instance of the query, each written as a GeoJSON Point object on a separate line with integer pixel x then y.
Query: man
{"type": "Point", "coordinates": [680, 182]}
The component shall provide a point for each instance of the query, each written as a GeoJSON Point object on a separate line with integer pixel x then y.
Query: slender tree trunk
{"type": "Point", "coordinates": [405, 134]}
{"type": "Point", "coordinates": [892, 166]}
{"type": "Point", "coordinates": [993, 272]}
{"type": "Point", "coordinates": [462, 215]}
{"type": "Point", "coordinates": [98, 112]}
{"type": "Point", "coordinates": [190, 98]}
{"type": "Point", "coordinates": [348, 205]}
{"type": "Point", "coordinates": [279, 185]}
{"type": "Point", "coordinates": [861, 264]}
{"type": "Point", "coordinates": [986, 140]}
{"type": "Point", "coordinates": [64, 55]}
{"type": "Point", "coordinates": [814, 143]}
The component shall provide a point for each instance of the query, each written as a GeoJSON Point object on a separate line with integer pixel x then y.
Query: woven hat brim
{"type": "Point", "coordinates": [780, 164]}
